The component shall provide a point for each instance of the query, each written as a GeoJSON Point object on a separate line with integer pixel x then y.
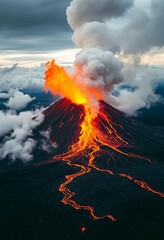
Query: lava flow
{"type": "Point", "coordinates": [98, 136]}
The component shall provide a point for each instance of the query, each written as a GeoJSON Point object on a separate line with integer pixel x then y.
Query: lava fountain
{"type": "Point", "coordinates": [98, 136]}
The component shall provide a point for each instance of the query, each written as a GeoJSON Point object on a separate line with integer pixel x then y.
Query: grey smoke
{"type": "Point", "coordinates": [145, 29]}
{"type": "Point", "coordinates": [96, 69]}
{"type": "Point", "coordinates": [82, 11]}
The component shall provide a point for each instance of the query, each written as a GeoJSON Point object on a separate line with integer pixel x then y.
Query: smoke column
{"type": "Point", "coordinates": [96, 70]}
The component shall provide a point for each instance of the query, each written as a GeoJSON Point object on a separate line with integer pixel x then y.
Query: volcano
{"type": "Point", "coordinates": [99, 169]}
{"type": "Point", "coordinates": [117, 146]}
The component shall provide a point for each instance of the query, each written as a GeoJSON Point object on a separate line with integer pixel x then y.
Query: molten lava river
{"type": "Point", "coordinates": [101, 137]}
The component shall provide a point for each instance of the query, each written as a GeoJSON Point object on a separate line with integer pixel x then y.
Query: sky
{"type": "Point", "coordinates": [32, 32]}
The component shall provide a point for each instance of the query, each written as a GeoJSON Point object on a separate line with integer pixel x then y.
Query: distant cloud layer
{"type": "Point", "coordinates": [19, 144]}
{"type": "Point", "coordinates": [21, 78]}
{"type": "Point", "coordinates": [16, 99]}
{"type": "Point", "coordinates": [17, 128]}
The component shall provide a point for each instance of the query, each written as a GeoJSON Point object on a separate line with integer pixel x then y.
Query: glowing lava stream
{"type": "Point", "coordinates": [90, 141]}
{"type": "Point", "coordinates": [88, 146]}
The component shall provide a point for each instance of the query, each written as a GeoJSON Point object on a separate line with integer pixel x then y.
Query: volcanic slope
{"type": "Point", "coordinates": [125, 154]}
{"type": "Point", "coordinates": [108, 169]}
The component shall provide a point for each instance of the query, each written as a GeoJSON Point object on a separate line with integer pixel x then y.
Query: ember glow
{"type": "Point", "coordinates": [99, 136]}
{"type": "Point", "coordinates": [83, 229]}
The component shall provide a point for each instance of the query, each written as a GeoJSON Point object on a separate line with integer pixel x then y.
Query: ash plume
{"type": "Point", "coordinates": [96, 69]}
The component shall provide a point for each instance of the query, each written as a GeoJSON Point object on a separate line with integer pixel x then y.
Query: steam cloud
{"type": "Point", "coordinates": [86, 18]}
{"type": "Point", "coordinates": [145, 29]}
{"type": "Point", "coordinates": [144, 79]}
{"type": "Point", "coordinates": [96, 70]}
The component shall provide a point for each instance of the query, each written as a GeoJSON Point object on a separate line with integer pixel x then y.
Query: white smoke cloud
{"type": "Point", "coordinates": [96, 70]}
{"type": "Point", "coordinates": [87, 19]}
{"type": "Point", "coordinates": [95, 34]}
{"type": "Point", "coordinates": [19, 144]}
{"type": "Point", "coordinates": [45, 143]}
{"type": "Point", "coordinates": [83, 11]}
{"type": "Point", "coordinates": [17, 100]}
{"type": "Point", "coordinates": [144, 28]}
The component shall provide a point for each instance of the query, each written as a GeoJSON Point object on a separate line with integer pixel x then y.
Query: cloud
{"type": "Point", "coordinates": [19, 144]}
{"type": "Point", "coordinates": [10, 120]}
{"type": "Point", "coordinates": [9, 69]}
{"type": "Point", "coordinates": [32, 14]}
{"type": "Point", "coordinates": [17, 100]}
{"type": "Point", "coordinates": [21, 78]}
{"type": "Point", "coordinates": [144, 80]}
{"type": "Point", "coordinates": [33, 25]}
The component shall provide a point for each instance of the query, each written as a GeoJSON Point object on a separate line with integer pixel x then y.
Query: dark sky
{"type": "Point", "coordinates": [34, 25]}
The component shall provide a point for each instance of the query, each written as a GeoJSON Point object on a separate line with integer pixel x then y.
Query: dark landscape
{"type": "Point", "coordinates": [31, 206]}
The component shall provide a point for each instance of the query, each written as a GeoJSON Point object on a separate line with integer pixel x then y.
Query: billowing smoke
{"type": "Point", "coordinates": [144, 28]}
{"type": "Point", "coordinates": [96, 70]}
{"type": "Point", "coordinates": [83, 11]}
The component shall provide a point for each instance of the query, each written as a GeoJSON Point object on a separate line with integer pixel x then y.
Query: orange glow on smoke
{"type": "Point", "coordinates": [59, 82]}
{"type": "Point", "coordinates": [90, 140]}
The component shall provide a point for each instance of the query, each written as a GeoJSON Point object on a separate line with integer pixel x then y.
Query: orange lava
{"type": "Point", "coordinates": [58, 81]}
{"type": "Point", "coordinates": [90, 141]}
{"type": "Point", "coordinates": [142, 184]}
{"type": "Point", "coordinates": [83, 229]}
